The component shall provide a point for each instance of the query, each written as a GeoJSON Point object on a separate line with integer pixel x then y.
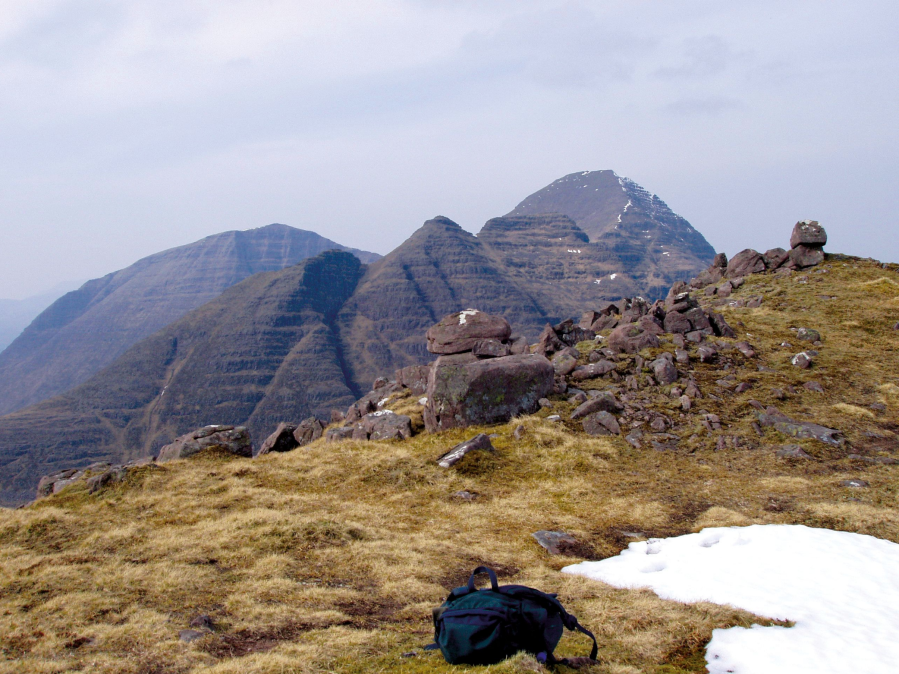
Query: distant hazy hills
{"type": "Point", "coordinates": [286, 344]}
{"type": "Point", "coordinates": [87, 329]}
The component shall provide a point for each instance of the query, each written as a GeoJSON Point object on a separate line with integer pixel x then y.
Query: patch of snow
{"type": "Point", "coordinates": [381, 413]}
{"type": "Point", "coordinates": [619, 220]}
{"type": "Point", "coordinates": [598, 281]}
{"type": "Point", "coordinates": [840, 588]}
{"type": "Point", "coordinates": [423, 401]}
{"type": "Point", "coordinates": [575, 250]}
{"type": "Point", "coordinates": [613, 276]}
{"type": "Point", "coordinates": [627, 205]}
{"type": "Point", "coordinates": [463, 315]}
{"type": "Point", "coordinates": [666, 253]}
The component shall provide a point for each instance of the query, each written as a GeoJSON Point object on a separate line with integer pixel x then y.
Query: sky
{"type": "Point", "coordinates": [130, 127]}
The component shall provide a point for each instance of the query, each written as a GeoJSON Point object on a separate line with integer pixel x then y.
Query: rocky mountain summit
{"type": "Point", "coordinates": [652, 246]}
{"type": "Point", "coordinates": [648, 373]}
{"type": "Point", "coordinates": [87, 329]}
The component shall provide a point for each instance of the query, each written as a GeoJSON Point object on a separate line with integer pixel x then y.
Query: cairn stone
{"type": "Point", "coordinates": [459, 332]}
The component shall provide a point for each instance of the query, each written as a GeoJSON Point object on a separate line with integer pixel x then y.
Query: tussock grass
{"type": "Point", "coordinates": [329, 558]}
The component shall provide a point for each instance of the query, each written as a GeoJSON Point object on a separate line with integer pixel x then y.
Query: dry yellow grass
{"type": "Point", "coordinates": [329, 558]}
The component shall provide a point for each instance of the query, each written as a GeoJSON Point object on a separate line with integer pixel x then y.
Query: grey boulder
{"type": "Point", "coordinates": [233, 439]}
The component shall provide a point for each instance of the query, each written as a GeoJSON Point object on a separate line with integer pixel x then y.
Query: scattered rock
{"type": "Point", "coordinates": [746, 262]}
{"type": "Point", "coordinates": [233, 439]}
{"type": "Point", "coordinates": [808, 335]}
{"type": "Point", "coordinates": [664, 371]}
{"type": "Point", "coordinates": [309, 430]}
{"type": "Point", "coordinates": [545, 403]}
{"type": "Point", "coordinates": [480, 442]}
{"type": "Point", "coordinates": [604, 402]}
{"type": "Point", "coordinates": [746, 349]}
{"type": "Point", "coordinates": [337, 434]}
{"type": "Point", "coordinates": [487, 391]}
{"type": "Point", "coordinates": [792, 452]}
{"type": "Point", "coordinates": [707, 354]}
{"type": "Point", "coordinates": [685, 403]}
{"type": "Point", "coordinates": [593, 370]}
{"type": "Point", "coordinates": [554, 417]}
{"type": "Point", "coordinates": [802, 360]}
{"type": "Point", "coordinates": [564, 363]}
{"type": "Point", "coordinates": [282, 440]}
{"type": "Point", "coordinates": [188, 636]}
{"type": "Point", "coordinates": [554, 541]}
{"type": "Point", "coordinates": [202, 622]}
{"type": "Point", "coordinates": [601, 423]}
{"type": "Point", "coordinates": [856, 484]}
{"type": "Point", "coordinates": [465, 496]}
{"type": "Point", "coordinates": [775, 258]}
{"type": "Point", "coordinates": [634, 438]}
{"type": "Point", "coordinates": [772, 417]}
{"type": "Point", "coordinates": [631, 339]}
{"type": "Point", "coordinates": [813, 386]}
{"type": "Point", "coordinates": [383, 425]}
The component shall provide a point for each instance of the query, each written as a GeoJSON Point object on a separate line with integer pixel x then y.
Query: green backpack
{"type": "Point", "coordinates": [483, 627]}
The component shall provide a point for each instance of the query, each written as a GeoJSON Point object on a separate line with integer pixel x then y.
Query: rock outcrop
{"type": "Point", "coordinates": [232, 439]}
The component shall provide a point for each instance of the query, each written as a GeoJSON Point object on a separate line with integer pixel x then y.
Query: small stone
{"type": "Point", "coordinates": [742, 387]}
{"type": "Point", "coordinates": [664, 371]}
{"type": "Point", "coordinates": [813, 386]}
{"type": "Point", "coordinates": [601, 423]}
{"type": "Point", "coordinates": [878, 407]}
{"type": "Point", "coordinates": [191, 635]}
{"type": "Point", "coordinates": [857, 484]}
{"type": "Point", "coordinates": [706, 354]}
{"type": "Point", "coordinates": [564, 363]}
{"type": "Point", "coordinates": [593, 370]}
{"type": "Point", "coordinates": [604, 402]}
{"type": "Point", "coordinates": [554, 417]}
{"type": "Point", "coordinates": [896, 327]}
{"type": "Point", "coordinates": [792, 452]}
{"type": "Point", "coordinates": [685, 403]}
{"type": "Point", "coordinates": [808, 335]}
{"type": "Point", "coordinates": [545, 403]}
{"type": "Point", "coordinates": [801, 360]}
{"type": "Point", "coordinates": [682, 356]}
{"type": "Point", "coordinates": [480, 442]}
{"type": "Point", "coordinates": [778, 393]}
{"type": "Point", "coordinates": [465, 496]}
{"type": "Point", "coordinates": [554, 541]}
{"type": "Point", "coordinates": [746, 349]}
{"type": "Point", "coordinates": [695, 336]}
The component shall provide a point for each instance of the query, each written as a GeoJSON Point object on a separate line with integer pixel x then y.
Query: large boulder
{"type": "Point", "coordinates": [803, 256]}
{"type": "Point", "coordinates": [746, 262]}
{"type": "Point", "coordinates": [309, 430]}
{"type": "Point", "coordinates": [460, 331]}
{"type": "Point", "coordinates": [808, 233]}
{"type": "Point", "coordinates": [233, 439]}
{"type": "Point", "coordinates": [486, 391]}
{"type": "Point", "coordinates": [480, 442]}
{"type": "Point", "coordinates": [631, 338]}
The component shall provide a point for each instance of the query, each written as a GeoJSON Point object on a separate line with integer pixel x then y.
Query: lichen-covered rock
{"type": "Point", "coordinates": [486, 391]}
{"type": "Point", "coordinates": [490, 348]}
{"type": "Point", "coordinates": [564, 363]}
{"type": "Point", "coordinates": [631, 339]}
{"type": "Point", "coordinates": [233, 439]}
{"type": "Point", "coordinates": [772, 417]}
{"type": "Point", "coordinates": [808, 233]}
{"type": "Point", "coordinates": [282, 440]}
{"type": "Point", "coordinates": [383, 425]}
{"type": "Point", "coordinates": [664, 371]}
{"type": "Point", "coordinates": [460, 331]}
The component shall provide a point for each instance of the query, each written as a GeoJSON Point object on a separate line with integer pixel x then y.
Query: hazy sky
{"type": "Point", "coordinates": [130, 127]}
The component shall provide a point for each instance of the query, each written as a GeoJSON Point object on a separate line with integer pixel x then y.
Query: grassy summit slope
{"type": "Point", "coordinates": [329, 558]}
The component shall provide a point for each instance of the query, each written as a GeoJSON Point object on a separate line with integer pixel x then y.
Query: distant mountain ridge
{"type": "Point", "coordinates": [283, 345]}
{"type": "Point", "coordinates": [87, 329]}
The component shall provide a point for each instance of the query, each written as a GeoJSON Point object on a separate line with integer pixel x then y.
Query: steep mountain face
{"type": "Point", "coordinates": [653, 245]}
{"type": "Point", "coordinates": [263, 351]}
{"type": "Point", "coordinates": [283, 345]}
{"type": "Point", "coordinates": [89, 328]}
